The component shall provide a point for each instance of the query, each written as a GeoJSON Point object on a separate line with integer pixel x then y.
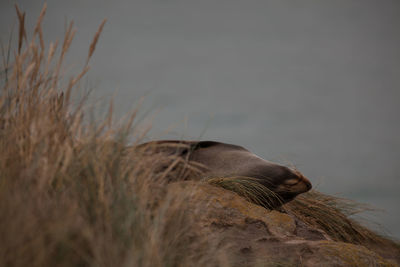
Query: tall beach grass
{"type": "Point", "coordinates": [71, 193]}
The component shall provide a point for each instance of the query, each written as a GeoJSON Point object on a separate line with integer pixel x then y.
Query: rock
{"type": "Point", "coordinates": [343, 254]}
{"type": "Point", "coordinates": [255, 236]}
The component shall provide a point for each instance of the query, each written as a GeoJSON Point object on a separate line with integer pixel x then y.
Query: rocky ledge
{"type": "Point", "coordinates": [254, 236]}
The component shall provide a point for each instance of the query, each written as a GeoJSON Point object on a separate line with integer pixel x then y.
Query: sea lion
{"type": "Point", "coordinates": [226, 160]}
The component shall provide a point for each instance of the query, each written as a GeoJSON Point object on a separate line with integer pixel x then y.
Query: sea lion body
{"type": "Point", "coordinates": [226, 160]}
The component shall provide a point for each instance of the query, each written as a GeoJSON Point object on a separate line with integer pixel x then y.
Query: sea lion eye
{"type": "Point", "coordinates": [292, 181]}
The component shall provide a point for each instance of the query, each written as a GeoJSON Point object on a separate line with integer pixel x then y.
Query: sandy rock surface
{"type": "Point", "coordinates": [254, 236]}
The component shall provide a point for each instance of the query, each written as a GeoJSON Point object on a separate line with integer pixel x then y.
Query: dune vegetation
{"type": "Point", "coordinates": [70, 193]}
{"type": "Point", "coordinates": [76, 192]}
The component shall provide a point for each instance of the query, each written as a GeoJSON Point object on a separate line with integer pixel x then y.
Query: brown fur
{"type": "Point", "coordinates": [225, 160]}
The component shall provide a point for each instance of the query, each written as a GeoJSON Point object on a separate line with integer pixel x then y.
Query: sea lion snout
{"type": "Point", "coordinates": [307, 184]}
{"type": "Point", "coordinates": [299, 184]}
{"type": "Point", "coordinates": [288, 182]}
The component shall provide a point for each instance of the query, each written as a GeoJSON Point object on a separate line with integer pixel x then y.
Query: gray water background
{"type": "Point", "coordinates": [312, 83]}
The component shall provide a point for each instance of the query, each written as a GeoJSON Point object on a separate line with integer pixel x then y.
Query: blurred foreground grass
{"type": "Point", "coordinates": [71, 194]}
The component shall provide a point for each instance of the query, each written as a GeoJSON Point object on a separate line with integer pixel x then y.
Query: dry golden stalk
{"type": "Point", "coordinates": [94, 41]}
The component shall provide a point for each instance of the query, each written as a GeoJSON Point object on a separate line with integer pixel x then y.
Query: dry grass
{"type": "Point", "coordinates": [333, 215]}
{"type": "Point", "coordinates": [71, 194]}
{"type": "Point", "coordinates": [250, 189]}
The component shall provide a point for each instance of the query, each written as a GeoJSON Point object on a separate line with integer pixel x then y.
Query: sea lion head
{"type": "Point", "coordinates": [224, 160]}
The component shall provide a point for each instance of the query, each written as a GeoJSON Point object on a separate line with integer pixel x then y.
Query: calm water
{"type": "Point", "coordinates": [312, 83]}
